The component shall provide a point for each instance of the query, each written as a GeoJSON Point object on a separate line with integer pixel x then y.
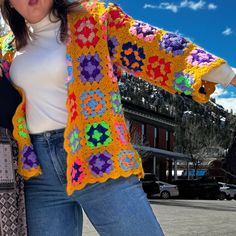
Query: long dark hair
{"type": "Point", "coordinates": [19, 27]}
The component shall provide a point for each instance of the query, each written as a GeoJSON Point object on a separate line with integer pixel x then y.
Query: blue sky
{"type": "Point", "coordinates": [209, 23]}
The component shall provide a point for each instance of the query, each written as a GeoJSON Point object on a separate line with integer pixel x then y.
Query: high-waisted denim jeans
{"type": "Point", "coordinates": [115, 208]}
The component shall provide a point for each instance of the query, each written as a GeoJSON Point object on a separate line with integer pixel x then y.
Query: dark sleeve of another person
{"type": "Point", "coordinates": [9, 100]}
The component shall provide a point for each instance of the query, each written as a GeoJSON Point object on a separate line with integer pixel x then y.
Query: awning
{"type": "Point", "coordinates": [163, 153]}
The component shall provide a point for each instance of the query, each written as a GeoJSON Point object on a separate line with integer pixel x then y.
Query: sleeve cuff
{"type": "Point", "coordinates": [221, 75]}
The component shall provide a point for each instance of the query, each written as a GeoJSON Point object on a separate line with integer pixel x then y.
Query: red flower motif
{"type": "Point", "coordinates": [86, 32]}
{"type": "Point", "coordinates": [104, 23]}
{"type": "Point", "coordinates": [118, 18]}
{"type": "Point", "coordinates": [73, 107]}
{"type": "Point", "coordinates": [89, 5]}
{"type": "Point", "coordinates": [158, 69]}
{"type": "Point", "coordinates": [23, 107]}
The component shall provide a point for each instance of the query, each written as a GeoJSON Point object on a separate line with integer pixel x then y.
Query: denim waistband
{"type": "Point", "coordinates": [47, 135]}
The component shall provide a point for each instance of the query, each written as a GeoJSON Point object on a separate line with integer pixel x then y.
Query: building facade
{"type": "Point", "coordinates": [152, 134]}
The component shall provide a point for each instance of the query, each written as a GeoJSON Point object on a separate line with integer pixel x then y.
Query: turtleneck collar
{"type": "Point", "coordinates": [48, 23]}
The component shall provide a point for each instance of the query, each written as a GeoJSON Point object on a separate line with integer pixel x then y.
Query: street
{"type": "Point", "coordinates": [189, 218]}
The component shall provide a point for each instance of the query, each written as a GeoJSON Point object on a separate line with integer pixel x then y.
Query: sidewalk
{"type": "Point", "coordinates": [189, 218]}
{"type": "Point", "coordinates": [88, 229]}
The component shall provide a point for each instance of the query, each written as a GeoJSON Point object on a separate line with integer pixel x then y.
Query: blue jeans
{"type": "Point", "coordinates": [115, 208]}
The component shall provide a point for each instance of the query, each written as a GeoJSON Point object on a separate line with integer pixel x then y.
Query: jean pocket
{"type": "Point", "coordinates": [60, 160]}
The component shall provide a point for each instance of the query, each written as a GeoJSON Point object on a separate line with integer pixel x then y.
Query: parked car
{"type": "Point", "coordinates": [191, 173]}
{"type": "Point", "coordinates": [198, 188]}
{"type": "Point", "coordinates": [150, 185]}
{"type": "Point", "coordinates": [227, 191]}
{"type": "Point", "coordinates": [167, 190]}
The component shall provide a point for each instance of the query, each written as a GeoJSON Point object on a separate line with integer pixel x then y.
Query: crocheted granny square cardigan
{"type": "Point", "coordinates": [96, 138]}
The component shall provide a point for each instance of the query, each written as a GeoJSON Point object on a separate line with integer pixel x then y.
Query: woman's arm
{"type": "Point", "coordinates": [162, 58]}
{"type": "Point", "coordinates": [223, 75]}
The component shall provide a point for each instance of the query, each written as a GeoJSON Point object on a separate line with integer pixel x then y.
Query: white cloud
{"type": "Point", "coordinates": [227, 103]}
{"type": "Point", "coordinates": [192, 5]}
{"type": "Point", "coordinates": [150, 6]}
{"type": "Point", "coordinates": [219, 92]}
{"type": "Point", "coordinates": [168, 6]}
{"type": "Point", "coordinates": [228, 31]}
{"type": "Point", "coordinates": [226, 98]}
{"type": "Point", "coordinates": [174, 7]}
{"type": "Point", "coordinates": [211, 6]}
{"type": "Point", "coordinates": [164, 5]}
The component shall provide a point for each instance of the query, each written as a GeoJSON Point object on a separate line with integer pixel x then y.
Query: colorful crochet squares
{"type": "Point", "coordinates": [173, 43]}
{"type": "Point", "coordinates": [127, 160]}
{"type": "Point", "coordinates": [29, 158]}
{"type": "Point", "coordinates": [74, 140]}
{"type": "Point", "coordinates": [73, 106]}
{"type": "Point", "coordinates": [158, 69]}
{"type": "Point", "coordinates": [77, 172]}
{"type": "Point", "coordinates": [93, 103]}
{"type": "Point", "coordinates": [112, 44]}
{"type": "Point", "coordinates": [22, 128]}
{"type": "Point", "coordinates": [98, 134]}
{"type": "Point", "coordinates": [183, 83]}
{"type": "Point", "coordinates": [86, 32]}
{"type": "Point", "coordinates": [100, 164]}
{"type": "Point", "coordinates": [118, 18]}
{"type": "Point", "coordinates": [199, 57]}
{"type": "Point", "coordinates": [70, 77]}
{"type": "Point", "coordinates": [116, 103]}
{"type": "Point", "coordinates": [143, 31]}
{"type": "Point", "coordinates": [90, 68]}
{"type": "Point", "coordinates": [132, 57]}
{"type": "Point", "coordinates": [122, 133]}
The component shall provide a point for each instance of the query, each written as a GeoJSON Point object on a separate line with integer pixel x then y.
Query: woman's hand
{"type": "Point", "coordinates": [233, 82]}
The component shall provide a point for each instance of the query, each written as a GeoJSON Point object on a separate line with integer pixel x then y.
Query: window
{"type": "Point", "coordinates": [143, 133]}
{"type": "Point", "coordinates": [156, 137]}
{"type": "Point", "coordinates": [167, 135]}
{"type": "Point", "coordinates": [168, 140]}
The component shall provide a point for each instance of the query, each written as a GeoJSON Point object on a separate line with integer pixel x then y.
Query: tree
{"type": "Point", "coordinates": [199, 144]}
{"type": "Point", "coordinates": [230, 162]}
{"type": "Point", "coordinates": [4, 29]}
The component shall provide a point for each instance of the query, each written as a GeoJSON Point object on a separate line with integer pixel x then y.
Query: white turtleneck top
{"type": "Point", "coordinates": [40, 69]}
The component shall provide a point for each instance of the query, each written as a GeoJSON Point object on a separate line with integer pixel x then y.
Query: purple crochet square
{"type": "Point", "coordinates": [112, 44]}
{"type": "Point", "coordinates": [100, 164]}
{"type": "Point", "coordinates": [173, 43]}
{"type": "Point", "coordinates": [29, 158]}
{"type": "Point", "coordinates": [90, 68]}
{"type": "Point", "coordinates": [199, 57]}
{"type": "Point", "coordinates": [143, 31]}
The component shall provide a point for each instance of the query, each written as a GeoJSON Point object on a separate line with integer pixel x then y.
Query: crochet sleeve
{"type": "Point", "coordinates": [162, 58]}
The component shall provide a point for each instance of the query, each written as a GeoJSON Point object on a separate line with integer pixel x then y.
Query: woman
{"type": "Point", "coordinates": [75, 150]}
{"type": "Point", "coordinates": [12, 205]}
